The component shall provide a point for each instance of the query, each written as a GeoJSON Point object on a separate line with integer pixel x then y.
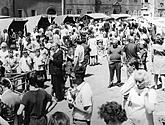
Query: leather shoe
{"type": "Point", "coordinates": [111, 85]}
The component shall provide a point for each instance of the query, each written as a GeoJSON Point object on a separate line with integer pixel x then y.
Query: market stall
{"type": "Point", "coordinates": [39, 21]}
{"type": "Point", "coordinates": [120, 16]}
{"type": "Point", "coordinates": [95, 16]}
{"type": "Point", "coordinates": [61, 19]}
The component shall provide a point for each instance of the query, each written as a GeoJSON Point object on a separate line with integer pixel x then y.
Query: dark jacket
{"type": "Point", "coordinates": [55, 65]}
{"type": "Point", "coordinates": [86, 53]}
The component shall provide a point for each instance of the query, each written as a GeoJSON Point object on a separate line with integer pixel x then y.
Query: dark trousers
{"type": "Point", "coordinates": [116, 66]}
{"type": "Point", "coordinates": [57, 82]}
{"type": "Point", "coordinates": [41, 121]}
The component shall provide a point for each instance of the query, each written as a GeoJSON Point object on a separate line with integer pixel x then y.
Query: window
{"type": "Point", "coordinates": [89, 12]}
{"type": "Point", "coordinates": [135, 1]}
{"type": "Point", "coordinates": [146, 1]}
{"type": "Point", "coordinates": [33, 12]}
{"type": "Point", "coordinates": [20, 13]}
{"type": "Point", "coordinates": [69, 11]}
{"type": "Point", "coordinates": [78, 11]}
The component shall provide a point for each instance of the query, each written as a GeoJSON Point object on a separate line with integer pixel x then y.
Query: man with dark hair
{"type": "Point", "coordinates": [79, 58]}
{"type": "Point", "coordinates": [115, 59]}
{"type": "Point", "coordinates": [113, 114]}
{"type": "Point", "coordinates": [36, 103]}
{"type": "Point", "coordinates": [12, 100]}
{"type": "Point", "coordinates": [131, 50]}
{"type": "Point", "coordinates": [82, 101]}
{"type": "Point", "coordinates": [86, 53]}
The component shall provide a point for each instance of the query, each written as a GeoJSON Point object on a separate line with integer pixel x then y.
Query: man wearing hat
{"type": "Point", "coordinates": [115, 60]}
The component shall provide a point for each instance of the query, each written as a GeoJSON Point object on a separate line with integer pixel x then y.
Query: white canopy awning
{"type": "Point", "coordinates": [5, 23]}
{"type": "Point", "coordinates": [96, 16]}
{"type": "Point", "coordinates": [32, 22]}
{"type": "Point", "coordinates": [119, 16]}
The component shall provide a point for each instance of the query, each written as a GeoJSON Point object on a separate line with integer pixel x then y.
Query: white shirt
{"type": "Point", "coordinates": [79, 52]}
{"type": "Point", "coordinates": [38, 61]}
{"type": "Point", "coordinates": [3, 56]}
{"type": "Point", "coordinates": [23, 64]}
{"type": "Point", "coordinates": [129, 84]}
{"type": "Point", "coordinates": [64, 32]}
{"type": "Point", "coordinates": [83, 99]}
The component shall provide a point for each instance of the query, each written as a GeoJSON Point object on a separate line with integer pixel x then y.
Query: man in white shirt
{"type": "Point", "coordinates": [78, 58]}
{"type": "Point", "coordinates": [38, 66]}
{"type": "Point", "coordinates": [83, 103]}
{"type": "Point", "coordinates": [38, 61]}
{"type": "Point", "coordinates": [25, 62]}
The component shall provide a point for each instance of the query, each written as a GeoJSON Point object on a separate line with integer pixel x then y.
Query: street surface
{"type": "Point", "coordinates": [98, 78]}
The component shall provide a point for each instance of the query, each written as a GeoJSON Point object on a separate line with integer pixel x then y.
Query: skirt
{"type": "Point", "coordinates": [159, 65]}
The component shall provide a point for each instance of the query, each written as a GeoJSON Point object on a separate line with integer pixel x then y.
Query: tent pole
{"type": "Point", "coordinates": [63, 7]}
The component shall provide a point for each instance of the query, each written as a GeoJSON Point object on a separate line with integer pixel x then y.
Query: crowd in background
{"type": "Point", "coordinates": [64, 52]}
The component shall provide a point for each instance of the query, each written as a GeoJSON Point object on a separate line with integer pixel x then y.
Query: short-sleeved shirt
{"type": "Point", "coordinates": [38, 63]}
{"type": "Point", "coordinates": [35, 103]}
{"type": "Point", "coordinates": [11, 62]}
{"type": "Point", "coordinates": [11, 99]}
{"type": "Point", "coordinates": [83, 99]}
{"type": "Point", "coordinates": [135, 107]}
{"type": "Point", "coordinates": [79, 52]}
{"type": "Point", "coordinates": [23, 65]}
{"type": "Point", "coordinates": [115, 54]}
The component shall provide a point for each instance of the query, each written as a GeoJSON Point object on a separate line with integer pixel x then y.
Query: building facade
{"type": "Point", "coordinates": [6, 7]}
{"type": "Point", "coordinates": [159, 8]}
{"type": "Point", "coordinates": [25, 8]}
{"type": "Point", "coordinates": [132, 7]}
{"type": "Point", "coordinates": [79, 6]}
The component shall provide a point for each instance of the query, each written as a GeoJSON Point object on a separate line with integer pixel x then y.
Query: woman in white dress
{"type": "Point", "coordinates": [141, 100]}
{"type": "Point", "coordinates": [92, 42]}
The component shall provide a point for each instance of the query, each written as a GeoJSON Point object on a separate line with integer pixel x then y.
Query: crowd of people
{"type": "Point", "coordinates": [64, 52]}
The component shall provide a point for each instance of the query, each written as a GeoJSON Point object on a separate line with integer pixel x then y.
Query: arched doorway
{"type": "Point", "coordinates": [5, 11]}
{"type": "Point", "coordinates": [116, 8]}
{"type": "Point", "coordinates": [51, 11]}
